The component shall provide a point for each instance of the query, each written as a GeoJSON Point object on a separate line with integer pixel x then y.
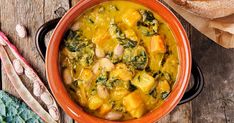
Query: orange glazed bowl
{"type": "Point", "coordinates": [73, 109]}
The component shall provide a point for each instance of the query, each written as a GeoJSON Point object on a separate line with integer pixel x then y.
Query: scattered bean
{"type": "Point", "coordinates": [54, 113]}
{"type": "Point", "coordinates": [2, 42]}
{"type": "Point", "coordinates": [37, 88]}
{"type": "Point", "coordinates": [21, 30]}
{"type": "Point", "coordinates": [46, 98]}
{"type": "Point", "coordinates": [30, 74]}
{"type": "Point", "coordinates": [18, 67]}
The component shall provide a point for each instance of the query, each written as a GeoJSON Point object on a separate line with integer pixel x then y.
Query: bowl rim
{"type": "Point", "coordinates": [75, 111]}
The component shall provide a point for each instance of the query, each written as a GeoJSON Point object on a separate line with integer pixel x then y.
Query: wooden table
{"type": "Point", "coordinates": [214, 105]}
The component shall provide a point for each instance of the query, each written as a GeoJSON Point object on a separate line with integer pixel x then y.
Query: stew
{"type": "Point", "coordinates": [119, 60]}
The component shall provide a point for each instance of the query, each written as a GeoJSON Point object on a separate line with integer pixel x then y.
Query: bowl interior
{"type": "Point", "coordinates": [74, 110]}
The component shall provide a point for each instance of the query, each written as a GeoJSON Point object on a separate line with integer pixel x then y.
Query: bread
{"type": "Point", "coordinates": [208, 8]}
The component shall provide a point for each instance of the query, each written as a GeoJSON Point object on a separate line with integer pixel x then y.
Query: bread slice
{"type": "Point", "coordinates": [208, 8]}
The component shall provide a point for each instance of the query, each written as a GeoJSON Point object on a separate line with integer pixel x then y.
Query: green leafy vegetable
{"type": "Point", "coordinates": [83, 47]}
{"type": "Point", "coordinates": [121, 37]}
{"type": "Point", "coordinates": [153, 93]}
{"type": "Point", "coordinates": [114, 59]}
{"type": "Point", "coordinates": [136, 57]}
{"type": "Point", "coordinates": [102, 78]}
{"type": "Point", "coordinates": [14, 111]}
{"type": "Point", "coordinates": [164, 95]}
{"type": "Point", "coordinates": [148, 25]}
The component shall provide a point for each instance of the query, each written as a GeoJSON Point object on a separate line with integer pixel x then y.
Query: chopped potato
{"type": "Point", "coordinates": [157, 44]}
{"type": "Point", "coordinates": [144, 82]}
{"type": "Point", "coordinates": [131, 17]}
{"type": "Point", "coordinates": [134, 104]}
{"type": "Point", "coordinates": [95, 102]}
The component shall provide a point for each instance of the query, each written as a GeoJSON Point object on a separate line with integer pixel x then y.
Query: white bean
{"type": "Point", "coordinates": [75, 26]}
{"type": "Point", "coordinates": [54, 113]}
{"type": "Point", "coordinates": [118, 51]}
{"type": "Point", "coordinates": [37, 89]}
{"type": "Point", "coordinates": [2, 42]}
{"type": "Point", "coordinates": [46, 98]}
{"type": "Point", "coordinates": [18, 67]}
{"type": "Point", "coordinates": [102, 91]}
{"type": "Point", "coordinates": [30, 74]}
{"type": "Point", "coordinates": [67, 76]}
{"type": "Point", "coordinates": [113, 115]}
{"type": "Point", "coordinates": [99, 52]}
{"type": "Point", "coordinates": [106, 64]}
{"type": "Point", "coordinates": [21, 30]}
{"type": "Point", "coordinates": [96, 68]}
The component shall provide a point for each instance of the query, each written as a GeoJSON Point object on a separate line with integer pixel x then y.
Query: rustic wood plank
{"type": "Point", "coordinates": [216, 102]}
{"type": "Point", "coordinates": [32, 14]}
{"type": "Point", "coordinates": [19, 11]}
{"type": "Point", "coordinates": [74, 2]}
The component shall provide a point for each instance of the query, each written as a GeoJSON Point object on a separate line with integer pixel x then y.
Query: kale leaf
{"type": "Point", "coordinates": [14, 111]}
{"type": "Point", "coordinates": [121, 37]}
{"type": "Point", "coordinates": [148, 25]}
{"type": "Point", "coordinates": [136, 57]}
{"type": "Point", "coordinates": [84, 48]}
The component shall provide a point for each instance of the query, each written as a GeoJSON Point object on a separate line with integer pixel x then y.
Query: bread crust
{"type": "Point", "coordinates": [208, 8]}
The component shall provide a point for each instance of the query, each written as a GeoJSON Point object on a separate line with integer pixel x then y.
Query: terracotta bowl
{"type": "Point", "coordinates": [74, 110]}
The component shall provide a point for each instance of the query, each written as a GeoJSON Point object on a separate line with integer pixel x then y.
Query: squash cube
{"type": "Point", "coordinates": [155, 62]}
{"type": "Point", "coordinates": [95, 102]}
{"type": "Point", "coordinates": [119, 92]}
{"type": "Point", "coordinates": [131, 17]}
{"type": "Point", "coordinates": [81, 93]}
{"type": "Point", "coordinates": [134, 104]}
{"type": "Point", "coordinates": [86, 74]}
{"type": "Point", "coordinates": [101, 37]}
{"type": "Point", "coordinates": [144, 82]}
{"type": "Point", "coordinates": [121, 71]}
{"type": "Point", "coordinates": [105, 108]}
{"type": "Point", "coordinates": [163, 86]}
{"type": "Point", "coordinates": [131, 34]}
{"type": "Point", "coordinates": [157, 44]}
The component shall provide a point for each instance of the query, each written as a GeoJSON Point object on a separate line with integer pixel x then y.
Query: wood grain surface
{"type": "Point", "coordinates": [214, 105]}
